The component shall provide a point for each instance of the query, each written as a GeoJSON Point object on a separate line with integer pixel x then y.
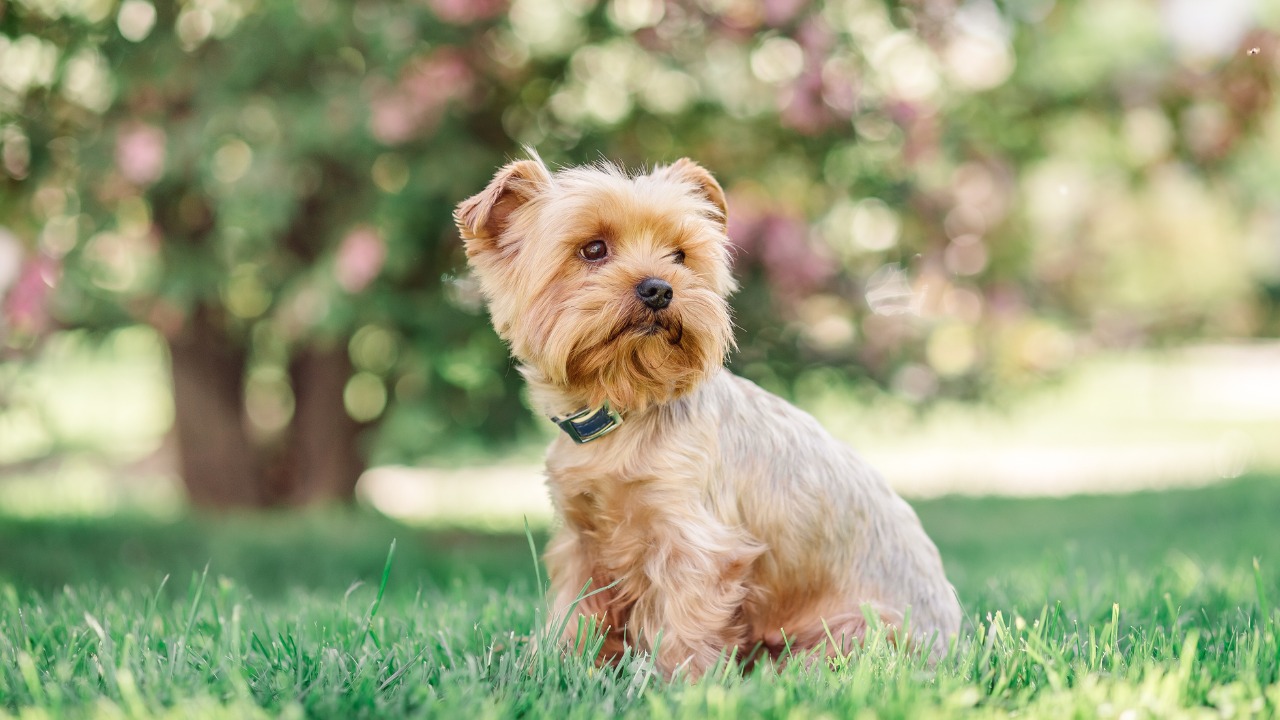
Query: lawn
{"type": "Point", "coordinates": [1144, 605]}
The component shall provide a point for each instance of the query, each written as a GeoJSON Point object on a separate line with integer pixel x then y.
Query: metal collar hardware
{"type": "Point", "coordinates": [588, 424]}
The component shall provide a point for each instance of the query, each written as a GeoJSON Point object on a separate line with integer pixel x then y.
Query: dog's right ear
{"type": "Point", "coordinates": [484, 216]}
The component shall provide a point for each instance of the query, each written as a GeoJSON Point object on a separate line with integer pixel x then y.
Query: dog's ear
{"type": "Point", "coordinates": [484, 216]}
{"type": "Point", "coordinates": [689, 171]}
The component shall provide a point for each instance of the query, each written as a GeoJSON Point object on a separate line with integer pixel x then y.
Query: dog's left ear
{"type": "Point", "coordinates": [691, 172]}
{"type": "Point", "coordinates": [484, 216]}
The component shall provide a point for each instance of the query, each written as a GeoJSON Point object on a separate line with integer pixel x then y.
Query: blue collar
{"type": "Point", "coordinates": [587, 424]}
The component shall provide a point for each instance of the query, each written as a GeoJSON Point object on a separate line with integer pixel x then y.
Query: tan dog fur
{"type": "Point", "coordinates": [725, 518]}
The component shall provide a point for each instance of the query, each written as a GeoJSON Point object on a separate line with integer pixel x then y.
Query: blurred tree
{"type": "Point", "coordinates": [948, 198]}
{"type": "Point", "coordinates": [270, 186]}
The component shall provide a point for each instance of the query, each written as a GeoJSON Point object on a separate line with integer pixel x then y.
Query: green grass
{"type": "Point", "coordinates": [1146, 605]}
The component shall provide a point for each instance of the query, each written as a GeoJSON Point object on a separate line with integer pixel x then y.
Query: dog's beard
{"type": "Point", "coordinates": [636, 357]}
{"type": "Point", "coordinates": [648, 323]}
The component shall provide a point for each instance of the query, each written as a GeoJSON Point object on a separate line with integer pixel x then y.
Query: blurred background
{"type": "Point", "coordinates": [1020, 247]}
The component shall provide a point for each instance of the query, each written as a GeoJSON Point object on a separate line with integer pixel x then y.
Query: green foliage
{"type": "Point", "coordinates": [1071, 614]}
{"type": "Point", "coordinates": [946, 199]}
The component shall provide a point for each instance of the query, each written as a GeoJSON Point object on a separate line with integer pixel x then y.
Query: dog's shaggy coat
{"type": "Point", "coordinates": [725, 519]}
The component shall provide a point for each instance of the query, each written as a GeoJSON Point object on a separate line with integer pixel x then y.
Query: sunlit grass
{"type": "Point", "coordinates": [1146, 605]}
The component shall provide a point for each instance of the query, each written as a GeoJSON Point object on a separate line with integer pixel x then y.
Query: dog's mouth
{"type": "Point", "coordinates": [659, 326]}
{"type": "Point", "coordinates": [649, 325]}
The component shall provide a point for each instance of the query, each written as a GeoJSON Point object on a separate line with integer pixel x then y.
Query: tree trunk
{"type": "Point", "coordinates": [217, 458]}
{"type": "Point", "coordinates": [317, 461]}
{"type": "Point", "coordinates": [322, 459]}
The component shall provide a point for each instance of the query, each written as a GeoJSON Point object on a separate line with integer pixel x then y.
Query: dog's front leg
{"type": "Point", "coordinates": [691, 614]}
{"type": "Point", "coordinates": [577, 599]}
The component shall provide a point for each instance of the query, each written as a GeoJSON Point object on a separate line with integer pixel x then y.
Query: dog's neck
{"type": "Point", "coordinates": [582, 417]}
{"type": "Point", "coordinates": [579, 411]}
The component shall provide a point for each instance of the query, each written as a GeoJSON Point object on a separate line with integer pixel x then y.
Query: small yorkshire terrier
{"type": "Point", "coordinates": [719, 518]}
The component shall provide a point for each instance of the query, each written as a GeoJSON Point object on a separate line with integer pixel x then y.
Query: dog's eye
{"type": "Point", "coordinates": [593, 251]}
{"type": "Point", "coordinates": [678, 257]}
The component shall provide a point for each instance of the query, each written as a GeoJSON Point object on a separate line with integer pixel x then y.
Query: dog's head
{"type": "Point", "coordinates": [604, 284]}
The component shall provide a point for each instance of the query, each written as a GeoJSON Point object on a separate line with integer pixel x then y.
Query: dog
{"type": "Point", "coordinates": [699, 516]}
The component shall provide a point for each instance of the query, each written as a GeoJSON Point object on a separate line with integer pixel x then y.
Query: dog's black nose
{"type": "Point", "coordinates": [654, 292]}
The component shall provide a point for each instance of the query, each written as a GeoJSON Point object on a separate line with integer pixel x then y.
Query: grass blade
{"type": "Point", "coordinates": [377, 600]}
{"type": "Point", "coordinates": [533, 550]}
{"type": "Point", "coordinates": [1264, 607]}
{"type": "Point", "coordinates": [382, 586]}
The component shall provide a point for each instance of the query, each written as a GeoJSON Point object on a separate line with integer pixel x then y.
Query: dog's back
{"type": "Point", "coordinates": [839, 536]}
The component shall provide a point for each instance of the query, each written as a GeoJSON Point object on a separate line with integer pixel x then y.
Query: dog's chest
{"type": "Point", "coordinates": [604, 510]}
{"type": "Point", "coordinates": [619, 521]}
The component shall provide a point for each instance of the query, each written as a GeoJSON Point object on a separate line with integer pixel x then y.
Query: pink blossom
{"type": "Point", "coordinates": [391, 119]}
{"type": "Point", "coordinates": [360, 257]}
{"type": "Point", "coordinates": [464, 12]}
{"type": "Point", "coordinates": [140, 154]}
{"type": "Point", "coordinates": [417, 102]}
{"type": "Point", "coordinates": [816, 38]}
{"type": "Point", "coordinates": [794, 266]}
{"type": "Point", "coordinates": [26, 306]}
{"type": "Point", "coordinates": [780, 12]}
{"type": "Point", "coordinates": [803, 108]}
{"type": "Point", "coordinates": [440, 77]}
{"type": "Point", "coordinates": [779, 243]}
{"type": "Point", "coordinates": [823, 94]}
{"type": "Point", "coordinates": [839, 90]}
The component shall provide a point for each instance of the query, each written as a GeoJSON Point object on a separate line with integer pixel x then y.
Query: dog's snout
{"type": "Point", "coordinates": [654, 292]}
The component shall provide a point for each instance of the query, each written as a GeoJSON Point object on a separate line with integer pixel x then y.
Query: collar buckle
{"type": "Point", "coordinates": [587, 424]}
